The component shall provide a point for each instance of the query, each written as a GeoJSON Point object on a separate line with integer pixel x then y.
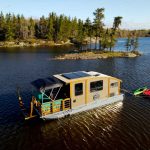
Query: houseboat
{"type": "Point", "coordinates": [69, 93]}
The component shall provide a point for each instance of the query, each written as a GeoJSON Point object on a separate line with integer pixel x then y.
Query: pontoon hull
{"type": "Point", "coordinates": [95, 104]}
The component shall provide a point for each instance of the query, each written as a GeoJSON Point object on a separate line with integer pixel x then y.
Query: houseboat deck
{"type": "Point", "coordinates": [86, 107]}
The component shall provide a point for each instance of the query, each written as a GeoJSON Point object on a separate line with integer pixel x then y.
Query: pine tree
{"type": "Point", "coordinates": [2, 27]}
{"type": "Point", "coordinates": [24, 28]}
{"type": "Point", "coordinates": [60, 28]}
{"type": "Point", "coordinates": [66, 28]}
{"type": "Point", "coordinates": [42, 28]}
{"type": "Point", "coordinates": [136, 43]}
{"type": "Point", "coordinates": [74, 27]}
{"type": "Point", "coordinates": [116, 24]}
{"type": "Point", "coordinates": [14, 22]}
{"type": "Point", "coordinates": [31, 28]}
{"type": "Point", "coordinates": [56, 29]}
{"type": "Point", "coordinates": [18, 27]}
{"type": "Point", "coordinates": [81, 33]}
{"type": "Point", "coordinates": [98, 25]}
{"type": "Point", "coordinates": [105, 43]}
{"type": "Point", "coordinates": [50, 27]}
{"type": "Point", "coordinates": [128, 44]}
{"type": "Point", "coordinates": [9, 28]}
{"type": "Point", "coordinates": [88, 30]}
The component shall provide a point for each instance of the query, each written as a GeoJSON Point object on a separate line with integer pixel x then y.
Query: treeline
{"type": "Point", "coordinates": [59, 28]}
{"type": "Point", "coordinates": [139, 33]}
{"type": "Point", "coordinates": [53, 27]}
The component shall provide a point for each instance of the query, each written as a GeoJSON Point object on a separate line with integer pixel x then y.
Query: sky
{"type": "Point", "coordinates": [135, 13]}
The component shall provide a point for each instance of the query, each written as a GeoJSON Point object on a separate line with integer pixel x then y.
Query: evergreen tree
{"type": "Point", "coordinates": [41, 28]}
{"type": "Point", "coordinates": [9, 28]}
{"type": "Point", "coordinates": [98, 25]}
{"type": "Point", "coordinates": [24, 28]}
{"type": "Point", "coordinates": [116, 24]}
{"type": "Point", "coordinates": [65, 28]}
{"type": "Point", "coordinates": [88, 29]}
{"type": "Point", "coordinates": [74, 28]}
{"type": "Point", "coordinates": [136, 43]}
{"type": "Point", "coordinates": [14, 22]}
{"type": "Point", "coordinates": [18, 27]}
{"type": "Point", "coordinates": [50, 27]}
{"type": "Point", "coordinates": [60, 31]}
{"type": "Point", "coordinates": [105, 43]}
{"type": "Point", "coordinates": [31, 28]}
{"type": "Point", "coordinates": [2, 27]}
{"type": "Point", "coordinates": [128, 44]}
{"type": "Point", "coordinates": [56, 29]}
{"type": "Point", "coordinates": [81, 33]}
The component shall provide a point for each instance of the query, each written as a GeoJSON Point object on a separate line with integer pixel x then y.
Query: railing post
{"type": "Point", "coordinates": [66, 104]}
{"type": "Point", "coordinates": [63, 105]}
{"type": "Point", "coordinates": [52, 107]}
{"type": "Point", "coordinates": [108, 87]}
{"type": "Point", "coordinates": [42, 97]}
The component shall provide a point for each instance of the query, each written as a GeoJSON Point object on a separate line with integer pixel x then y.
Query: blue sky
{"type": "Point", "coordinates": [135, 13]}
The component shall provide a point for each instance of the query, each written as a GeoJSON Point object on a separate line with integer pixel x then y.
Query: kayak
{"type": "Point", "coordinates": [139, 91]}
{"type": "Point", "coordinates": [147, 93]}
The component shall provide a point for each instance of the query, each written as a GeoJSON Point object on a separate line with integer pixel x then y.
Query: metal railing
{"type": "Point", "coordinates": [66, 104]}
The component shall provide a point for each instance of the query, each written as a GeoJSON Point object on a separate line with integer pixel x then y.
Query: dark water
{"type": "Point", "coordinates": [119, 126]}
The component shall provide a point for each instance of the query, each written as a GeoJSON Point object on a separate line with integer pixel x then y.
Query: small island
{"type": "Point", "coordinates": [97, 55]}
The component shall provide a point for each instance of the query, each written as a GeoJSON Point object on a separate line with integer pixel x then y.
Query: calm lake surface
{"type": "Point", "coordinates": [121, 126]}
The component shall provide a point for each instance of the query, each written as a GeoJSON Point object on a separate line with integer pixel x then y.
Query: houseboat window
{"type": "Point", "coordinates": [115, 84]}
{"type": "Point", "coordinates": [96, 86]}
{"type": "Point", "coordinates": [78, 89]}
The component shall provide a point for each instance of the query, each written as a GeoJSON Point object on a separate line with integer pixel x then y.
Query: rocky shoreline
{"type": "Point", "coordinates": [97, 55]}
{"type": "Point", "coordinates": [32, 43]}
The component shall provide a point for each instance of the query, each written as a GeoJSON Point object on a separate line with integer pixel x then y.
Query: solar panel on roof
{"type": "Point", "coordinates": [70, 75]}
{"type": "Point", "coordinates": [82, 74]}
{"type": "Point", "coordinates": [75, 75]}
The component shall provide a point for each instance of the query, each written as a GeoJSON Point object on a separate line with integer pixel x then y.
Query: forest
{"type": "Point", "coordinates": [61, 28]}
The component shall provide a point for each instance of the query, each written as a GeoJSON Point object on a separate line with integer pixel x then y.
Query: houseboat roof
{"type": "Point", "coordinates": [73, 76]}
{"type": "Point", "coordinates": [47, 83]}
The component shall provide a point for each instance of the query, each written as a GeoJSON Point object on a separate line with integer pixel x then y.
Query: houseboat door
{"type": "Point", "coordinates": [77, 93]}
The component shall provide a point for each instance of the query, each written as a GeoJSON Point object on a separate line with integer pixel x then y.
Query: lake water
{"type": "Point", "coordinates": [119, 126]}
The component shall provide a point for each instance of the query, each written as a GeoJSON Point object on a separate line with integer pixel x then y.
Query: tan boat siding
{"type": "Point", "coordinates": [88, 96]}
{"type": "Point", "coordinates": [98, 94]}
{"type": "Point", "coordinates": [115, 90]}
{"type": "Point", "coordinates": [80, 100]}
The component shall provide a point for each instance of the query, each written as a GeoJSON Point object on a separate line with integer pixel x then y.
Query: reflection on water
{"type": "Point", "coordinates": [118, 126]}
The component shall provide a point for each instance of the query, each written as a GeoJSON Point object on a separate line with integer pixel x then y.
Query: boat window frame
{"type": "Point", "coordinates": [114, 84]}
{"type": "Point", "coordinates": [95, 89]}
{"type": "Point", "coordinates": [43, 92]}
{"type": "Point", "coordinates": [78, 93]}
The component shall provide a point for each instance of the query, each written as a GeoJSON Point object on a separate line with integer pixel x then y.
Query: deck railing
{"type": "Point", "coordinates": [55, 106]}
{"type": "Point", "coordinates": [66, 104]}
